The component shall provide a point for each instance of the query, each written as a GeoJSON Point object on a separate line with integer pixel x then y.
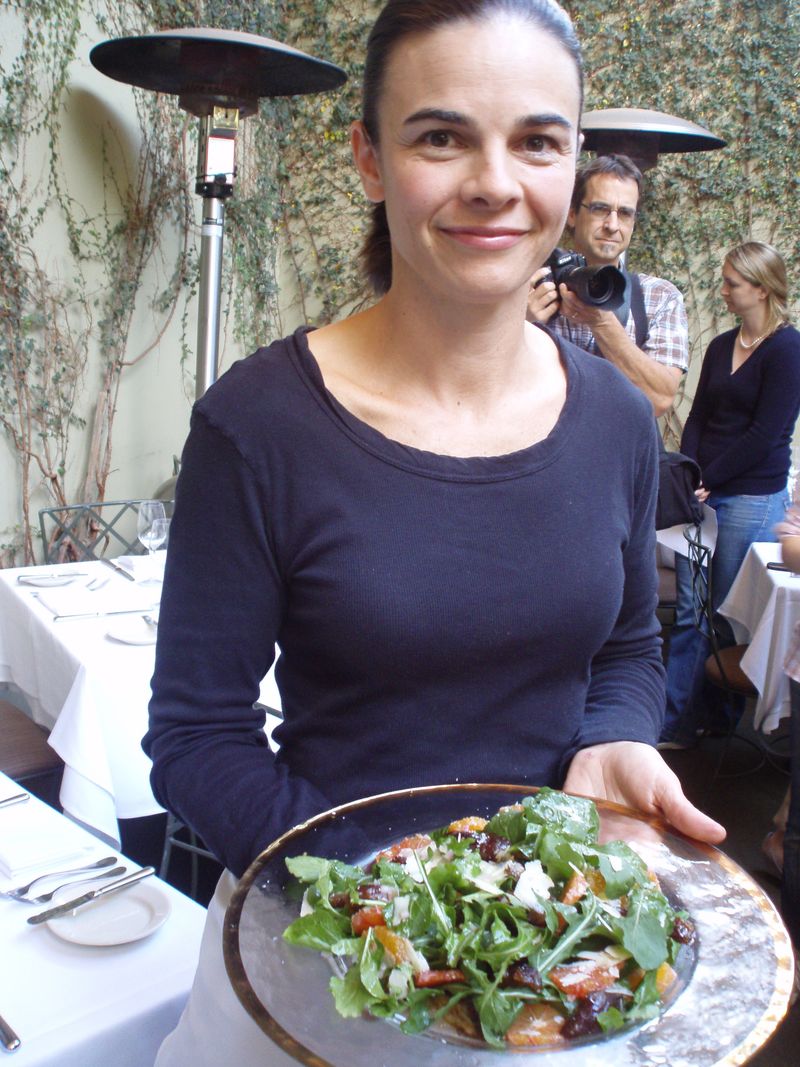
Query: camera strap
{"type": "Point", "coordinates": [637, 308]}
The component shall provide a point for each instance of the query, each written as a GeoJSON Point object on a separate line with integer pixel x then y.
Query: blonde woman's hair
{"type": "Point", "coordinates": [762, 265]}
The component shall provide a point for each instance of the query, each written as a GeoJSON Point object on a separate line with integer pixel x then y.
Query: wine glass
{"type": "Point", "coordinates": [152, 524]}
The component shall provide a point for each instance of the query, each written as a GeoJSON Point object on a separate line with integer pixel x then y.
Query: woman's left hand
{"type": "Point", "coordinates": [634, 774]}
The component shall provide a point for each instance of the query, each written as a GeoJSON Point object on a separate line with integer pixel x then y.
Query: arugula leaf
{"type": "Point", "coordinates": [420, 916]}
{"type": "Point", "coordinates": [611, 1019]}
{"type": "Point", "coordinates": [646, 927]}
{"type": "Point", "coordinates": [439, 914]}
{"type": "Point", "coordinates": [572, 816]}
{"type": "Point", "coordinates": [311, 868]}
{"type": "Point", "coordinates": [559, 855]}
{"type": "Point", "coordinates": [621, 867]}
{"type": "Point", "coordinates": [320, 930]}
{"type": "Point", "coordinates": [582, 925]}
{"type": "Point", "coordinates": [417, 1012]}
{"type": "Point", "coordinates": [646, 999]}
{"type": "Point", "coordinates": [349, 995]}
{"type": "Point", "coordinates": [307, 868]}
{"type": "Point", "coordinates": [512, 825]}
{"type": "Point", "coordinates": [497, 1010]}
{"type": "Point", "coordinates": [369, 965]}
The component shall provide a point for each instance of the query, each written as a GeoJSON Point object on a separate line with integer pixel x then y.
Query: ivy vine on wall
{"type": "Point", "coordinates": [295, 222]}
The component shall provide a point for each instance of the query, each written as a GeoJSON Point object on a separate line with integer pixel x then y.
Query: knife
{"type": "Point", "coordinates": [99, 614]}
{"type": "Point", "coordinates": [17, 798]}
{"type": "Point", "coordinates": [93, 894]}
{"type": "Point", "coordinates": [8, 1039]}
{"type": "Point", "coordinates": [118, 569]}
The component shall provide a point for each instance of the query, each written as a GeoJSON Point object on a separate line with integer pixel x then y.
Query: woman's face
{"type": "Point", "coordinates": [478, 124]}
{"type": "Point", "coordinates": [740, 295]}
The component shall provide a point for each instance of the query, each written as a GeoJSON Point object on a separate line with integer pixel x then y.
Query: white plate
{"type": "Point", "coordinates": [46, 581]}
{"type": "Point", "coordinates": [117, 919]}
{"type": "Point", "coordinates": [133, 631]}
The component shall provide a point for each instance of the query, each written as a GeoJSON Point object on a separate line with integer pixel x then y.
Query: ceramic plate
{"type": "Point", "coordinates": [133, 631]}
{"type": "Point", "coordinates": [116, 919]}
{"type": "Point", "coordinates": [46, 581]}
{"type": "Point", "coordinates": [733, 985]}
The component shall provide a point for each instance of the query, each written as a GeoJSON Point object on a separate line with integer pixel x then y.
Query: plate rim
{"type": "Point", "coordinates": [127, 641]}
{"type": "Point", "coordinates": [147, 889]}
{"type": "Point", "coordinates": [47, 581]}
{"type": "Point", "coordinates": [774, 1011]}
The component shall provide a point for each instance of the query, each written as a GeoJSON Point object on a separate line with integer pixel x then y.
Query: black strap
{"type": "Point", "coordinates": [641, 325]}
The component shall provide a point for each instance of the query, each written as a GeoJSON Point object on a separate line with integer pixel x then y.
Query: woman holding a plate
{"type": "Point", "coordinates": [442, 515]}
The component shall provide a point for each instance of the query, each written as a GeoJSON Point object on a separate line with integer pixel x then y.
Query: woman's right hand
{"type": "Point", "coordinates": [543, 297]}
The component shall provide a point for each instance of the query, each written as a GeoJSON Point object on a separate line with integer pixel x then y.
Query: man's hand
{"type": "Point", "coordinates": [543, 297]}
{"type": "Point", "coordinates": [634, 774]}
{"type": "Point", "coordinates": [587, 314]}
{"type": "Point", "coordinates": [659, 383]}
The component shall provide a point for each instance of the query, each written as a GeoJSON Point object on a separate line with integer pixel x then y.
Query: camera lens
{"type": "Point", "coordinates": [599, 289]}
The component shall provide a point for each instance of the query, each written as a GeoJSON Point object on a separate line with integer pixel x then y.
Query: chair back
{"type": "Point", "coordinates": [104, 529]}
{"type": "Point", "coordinates": [700, 558]}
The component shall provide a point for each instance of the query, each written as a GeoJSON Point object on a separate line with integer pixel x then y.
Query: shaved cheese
{"type": "Point", "coordinates": [400, 909]}
{"type": "Point", "coordinates": [534, 885]}
{"type": "Point", "coordinates": [399, 983]}
{"type": "Point", "coordinates": [487, 876]}
{"type": "Point", "coordinates": [305, 907]}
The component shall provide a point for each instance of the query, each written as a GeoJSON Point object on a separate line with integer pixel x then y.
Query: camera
{"type": "Point", "coordinates": [598, 286]}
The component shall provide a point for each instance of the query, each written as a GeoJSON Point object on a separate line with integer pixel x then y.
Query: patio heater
{"type": "Point", "coordinates": [218, 76]}
{"type": "Point", "coordinates": [643, 135]}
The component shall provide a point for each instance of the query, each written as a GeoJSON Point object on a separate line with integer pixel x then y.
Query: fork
{"type": "Point", "coordinates": [45, 897]}
{"type": "Point", "coordinates": [97, 583]}
{"type": "Point", "coordinates": [20, 892]}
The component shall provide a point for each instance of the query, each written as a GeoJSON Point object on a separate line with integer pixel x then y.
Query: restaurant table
{"type": "Point", "coordinates": [90, 691]}
{"type": "Point", "coordinates": [763, 606]}
{"type": "Point", "coordinates": [78, 1006]}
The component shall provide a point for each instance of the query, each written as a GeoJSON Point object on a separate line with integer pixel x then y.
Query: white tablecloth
{"type": "Point", "coordinates": [763, 606]}
{"type": "Point", "coordinates": [91, 691]}
{"type": "Point", "coordinates": [75, 1006]}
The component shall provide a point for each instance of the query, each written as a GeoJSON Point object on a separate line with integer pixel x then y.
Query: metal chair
{"type": "Point", "coordinates": [667, 604]}
{"type": "Point", "coordinates": [179, 835]}
{"type": "Point", "coordinates": [723, 667]}
{"type": "Point", "coordinates": [78, 532]}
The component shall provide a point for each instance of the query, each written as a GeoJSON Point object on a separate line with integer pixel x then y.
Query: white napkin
{"type": "Point", "coordinates": [30, 837]}
{"type": "Point", "coordinates": [72, 600]}
{"type": "Point", "coordinates": [144, 568]}
{"type": "Point", "coordinates": [672, 537]}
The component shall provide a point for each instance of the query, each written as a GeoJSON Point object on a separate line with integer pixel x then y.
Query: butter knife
{"type": "Point", "coordinates": [17, 798]}
{"type": "Point", "coordinates": [93, 894]}
{"type": "Point", "coordinates": [8, 1038]}
{"type": "Point", "coordinates": [118, 569]}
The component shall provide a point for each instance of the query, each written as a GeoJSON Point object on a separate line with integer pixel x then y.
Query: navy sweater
{"type": "Point", "coordinates": [740, 427]}
{"type": "Point", "coordinates": [439, 619]}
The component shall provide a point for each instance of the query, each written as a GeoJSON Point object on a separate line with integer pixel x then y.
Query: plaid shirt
{"type": "Point", "coordinates": [790, 527]}
{"type": "Point", "coordinates": [668, 331]}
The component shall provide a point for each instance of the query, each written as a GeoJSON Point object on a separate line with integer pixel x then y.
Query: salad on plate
{"type": "Point", "coordinates": [520, 930]}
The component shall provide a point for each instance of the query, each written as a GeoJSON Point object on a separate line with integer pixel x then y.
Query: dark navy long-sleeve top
{"type": "Point", "coordinates": [740, 427]}
{"type": "Point", "coordinates": [440, 619]}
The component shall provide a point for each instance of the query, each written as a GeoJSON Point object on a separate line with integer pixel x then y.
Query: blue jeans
{"type": "Point", "coordinates": [741, 520]}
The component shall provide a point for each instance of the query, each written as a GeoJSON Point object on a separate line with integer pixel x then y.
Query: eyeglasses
{"type": "Point", "coordinates": [598, 210]}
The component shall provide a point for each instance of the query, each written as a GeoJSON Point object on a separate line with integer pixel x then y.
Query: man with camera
{"type": "Point", "coordinates": [640, 326]}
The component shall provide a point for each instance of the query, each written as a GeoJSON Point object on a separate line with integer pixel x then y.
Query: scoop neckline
{"type": "Point", "coordinates": [431, 464]}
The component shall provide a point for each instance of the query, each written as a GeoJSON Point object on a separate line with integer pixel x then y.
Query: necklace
{"type": "Point", "coordinates": [754, 342]}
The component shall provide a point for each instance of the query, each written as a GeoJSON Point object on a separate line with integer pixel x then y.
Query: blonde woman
{"type": "Point", "coordinates": [739, 431]}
